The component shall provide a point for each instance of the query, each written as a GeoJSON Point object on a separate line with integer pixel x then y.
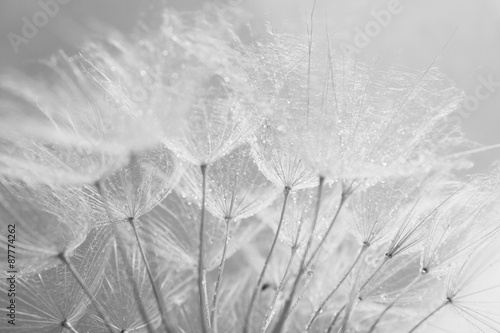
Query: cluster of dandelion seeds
{"type": "Point", "coordinates": [187, 179]}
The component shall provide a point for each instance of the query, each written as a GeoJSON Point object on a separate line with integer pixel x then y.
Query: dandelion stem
{"type": "Point", "coordinates": [256, 290]}
{"type": "Point", "coordinates": [121, 247]}
{"type": "Point", "coordinates": [387, 257]}
{"type": "Point", "coordinates": [64, 258]}
{"type": "Point", "coordinates": [343, 328]}
{"type": "Point", "coordinates": [130, 278]}
{"type": "Point", "coordinates": [448, 301]}
{"type": "Point", "coordinates": [306, 284]}
{"type": "Point", "coordinates": [330, 295]}
{"type": "Point", "coordinates": [343, 199]}
{"type": "Point", "coordinates": [202, 285]}
{"type": "Point", "coordinates": [302, 267]}
{"type": "Point", "coordinates": [334, 321]}
{"type": "Point", "coordinates": [372, 328]}
{"type": "Point", "coordinates": [269, 314]}
{"type": "Point", "coordinates": [382, 314]}
{"type": "Point", "coordinates": [218, 283]}
{"type": "Point", "coordinates": [156, 292]}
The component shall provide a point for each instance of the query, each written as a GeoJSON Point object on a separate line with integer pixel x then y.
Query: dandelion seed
{"type": "Point", "coordinates": [44, 234]}
{"type": "Point", "coordinates": [298, 217]}
{"type": "Point", "coordinates": [48, 299]}
{"type": "Point", "coordinates": [172, 226]}
{"type": "Point", "coordinates": [458, 228]}
{"type": "Point", "coordinates": [280, 161]}
{"type": "Point", "coordinates": [118, 297]}
{"type": "Point", "coordinates": [66, 132]}
{"type": "Point", "coordinates": [375, 209]}
{"type": "Point", "coordinates": [459, 296]}
{"type": "Point", "coordinates": [139, 185]}
{"type": "Point", "coordinates": [235, 188]}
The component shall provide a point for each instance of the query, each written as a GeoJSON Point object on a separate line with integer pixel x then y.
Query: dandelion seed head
{"type": "Point", "coordinates": [112, 160]}
{"type": "Point", "coordinates": [45, 233]}
{"type": "Point", "coordinates": [138, 186]}
{"type": "Point", "coordinates": [235, 187]}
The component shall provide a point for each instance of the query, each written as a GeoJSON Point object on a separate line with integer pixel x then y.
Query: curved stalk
{"type": "Point", "coordinates": [302, 292]}
{"type": "Point", "coordinates": [288, 302]}
{"type": "Point", "coordinates": [156, 292]}
{"type": "Point", "coordinates": [374, 325]}
{"type": "Point", "coordinates": [330, 295]}
{"type": "Point", "coordinates": [202, 284]}
{"type": "Point", "coordinates": [270, 313]}
{"type": "Point", "coordinates": [218, 283]}
{"type": "Point", "coordinates": [334, 321]}
{"type": "Point", "coordinates": [343, 328]}
{"type": "Point", "coordinates": [121, 247]}
{"type": "Point", "coordinates": [343, 199]}
{"type": "Point", "coordinates": [256, 290]}
{"type": "Point", "coordinates": [294, 248]}
{"type": "Point", "coordinates": [386, 259]}
{"type": "Point", "coordinates": [346, 319]}
{"type": "Point", "coordinates": [448, 301]}
{"type": "Point", "coordinates": [64, 258]}
{"type": "Point", "coordinates": [130, 278]}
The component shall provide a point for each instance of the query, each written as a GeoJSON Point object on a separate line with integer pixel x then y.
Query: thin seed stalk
{"type": "Point", "coordinates": [334, 321]}
{"type": "Point", "coordinates": [436, 310]}
{"type": "Point", "coordinates": [202, 285]}
{"type": "Point", "coordinates": [379, 268]}
{"type": "Point", "coordinates": [374, 325]}
{"type": "Point", "coordinates": [343, 328]}
{"type": "Point", "coordinates": [218, 283]}
{"type": "Point", "coordinates": [156, 292]}
{"type": "Point", "coordinates": [130, 278]}
{"type": "Point", "coordinates": [343, 199]}
{"type": "Point", "coordinates": [386, 259]}
{"type": "Point", "coordinates": [330, 295]}
{"type": "Point", "coordinates": [121, 247]}
{"type": "Point", "coordinates": [288, 302]}
{"type": "Point", "coordinates": [256, 290]}
{"type": "Point", "coordinates": [299, 297]}
{"type": "Point", "coordinates": [64, 258]}
{"type": "Point", "coordinates": [269, 313]}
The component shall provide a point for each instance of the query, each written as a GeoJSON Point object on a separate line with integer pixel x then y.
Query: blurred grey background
{"type": "Point", "coordinates": [417, 29]}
